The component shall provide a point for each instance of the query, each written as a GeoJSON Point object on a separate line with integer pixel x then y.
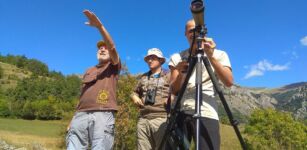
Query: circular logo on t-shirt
{"type": "Point", "coordinates": [103, 97]}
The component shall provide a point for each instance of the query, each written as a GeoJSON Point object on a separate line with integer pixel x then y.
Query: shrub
{"type": "Point", "coordinates": [4, 109]}
{"type": "Point", "coordinates": [270, 129]}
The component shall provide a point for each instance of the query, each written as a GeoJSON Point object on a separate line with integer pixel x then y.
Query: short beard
{"type": "Point", "coordinates": [103, 59]}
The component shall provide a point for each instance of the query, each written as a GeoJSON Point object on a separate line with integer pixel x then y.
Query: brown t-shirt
{"type": "Point", "coordinates": [99, 88]}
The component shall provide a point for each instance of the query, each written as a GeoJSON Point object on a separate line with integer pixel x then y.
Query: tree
{"type": "Point", "coordinates": [270, 129]}
{"type": "Point", "coordinates": [21, 61]}
{"type": "Point", "coordinates": [126, 117]}
{"type": "Point", "coordinates": [43, 97]}
{"type": "Point", "coordinates": [4, 108]}
{"type": "Point", "coordinates": [37, 67]}
{"type": "Point", "coordinates": [1, 72]}
{"type": "Point", "coordinates": [28, 111]}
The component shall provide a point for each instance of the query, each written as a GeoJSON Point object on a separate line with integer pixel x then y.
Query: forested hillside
{"type": "Point", "coordinates": [30, 91]}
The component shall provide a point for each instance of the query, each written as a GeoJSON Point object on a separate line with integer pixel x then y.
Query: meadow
{"type": "Point", "coordinates": [33, 134]}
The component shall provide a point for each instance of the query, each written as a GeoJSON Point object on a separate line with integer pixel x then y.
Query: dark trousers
{"type": "Point", "coordinates": [209, 131]}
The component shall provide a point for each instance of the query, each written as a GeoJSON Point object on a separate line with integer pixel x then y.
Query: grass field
{"type": "Point", "coordinates": [229, 140]}
{"type": "Point", "coordinates": [30, 134]}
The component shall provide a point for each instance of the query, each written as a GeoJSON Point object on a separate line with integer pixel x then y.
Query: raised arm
{"type": "Point", "coordinates": [224, 73]}
{"type": "Point", "coordinates": [94, 21]}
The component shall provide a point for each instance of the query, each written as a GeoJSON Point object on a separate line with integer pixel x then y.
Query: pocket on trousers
{"type": "Point", "coordinates": [109, 129]}
{"type": "Point", "coordinates": [68, 137]}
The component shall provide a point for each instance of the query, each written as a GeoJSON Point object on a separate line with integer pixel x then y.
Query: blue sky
{"type": "Point", "coordinates": [266, 40]}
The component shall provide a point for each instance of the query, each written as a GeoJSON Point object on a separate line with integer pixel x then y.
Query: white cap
{"type": "Point", "coordinates": [155, 51]}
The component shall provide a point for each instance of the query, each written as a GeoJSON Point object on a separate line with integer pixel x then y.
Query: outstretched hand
{"type": "Point", "coordinates": [93, 20]}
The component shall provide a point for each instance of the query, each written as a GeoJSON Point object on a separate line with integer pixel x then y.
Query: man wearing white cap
{"type": "Point", "coordinates": [150, 95]}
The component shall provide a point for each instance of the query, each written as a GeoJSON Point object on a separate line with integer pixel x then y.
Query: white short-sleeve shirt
{"type": "Point", "coordinates": [209, 104]}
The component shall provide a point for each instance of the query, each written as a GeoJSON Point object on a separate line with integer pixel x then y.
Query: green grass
{"type": "Point", "coordinates": [31, 134]}
{"type": "Point", "coordinates": [50, 133]}
{"type": "Point", "coordinates": [229, 139]}
{"type": "Point", "coordinates": [35, 127]}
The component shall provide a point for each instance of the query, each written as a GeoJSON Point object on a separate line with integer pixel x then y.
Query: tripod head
{"type": "Point", "coordinates": [200, 30]}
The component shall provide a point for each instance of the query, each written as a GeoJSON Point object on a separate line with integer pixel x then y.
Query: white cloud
{"type": "Point", "coordinates": [290, 54]}
{"type": "Point", "coordinates": [128, 58]}
{"type": "Point", "coordinates": [263, 66]}
{"type": "Point", "coordinates": [253, 73]}
{"type": "Point", "coordinates": [304, 41]}
{"type": "Point", "coordinates": [294, 55]}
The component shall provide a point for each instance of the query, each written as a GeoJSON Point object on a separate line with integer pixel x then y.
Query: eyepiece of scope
{"type": "Point", "coordinates": [197, 9]}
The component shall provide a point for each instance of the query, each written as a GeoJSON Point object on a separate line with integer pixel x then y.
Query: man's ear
{"type": "Point", "coordinates": [161, 60]}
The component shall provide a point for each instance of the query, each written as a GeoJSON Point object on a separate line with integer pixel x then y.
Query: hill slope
{"type": "Point", "coordinates": [291, 98]}
{"type": "Point", "coordinates": [11, 74]}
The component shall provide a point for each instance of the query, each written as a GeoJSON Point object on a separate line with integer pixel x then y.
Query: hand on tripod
{"type": "Point", "coordinates": [208, 46]}
{"type": "Point", "coordinates": [182, 66]}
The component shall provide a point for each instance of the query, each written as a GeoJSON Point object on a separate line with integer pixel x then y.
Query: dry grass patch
{"type": "Point", "coordinates": [229, 139]}
{"type": "Point", "coordinates": [31, 142]}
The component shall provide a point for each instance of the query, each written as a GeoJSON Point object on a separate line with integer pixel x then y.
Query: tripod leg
{"type": "Point", "coordinates": [198, 99]}
{"type": "Point", "coordinates": [174, 114]}
{"type": "Point", "coordinates": [233, 122]}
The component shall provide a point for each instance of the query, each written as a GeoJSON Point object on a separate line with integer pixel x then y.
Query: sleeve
{"type": "Point", "coordinates": [174, 60]}
{"type": "Point", "coordinates": [224, 59]}
{"type": "Point", "coordinates": [118, 67]}
{"type": "Point", "coordinates": [138, 90]}
{"type": "Point", "coordinates": [89, 76]}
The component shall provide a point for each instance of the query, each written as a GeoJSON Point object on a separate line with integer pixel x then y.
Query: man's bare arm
{"type": "Point", "coordinates": [94, 21]}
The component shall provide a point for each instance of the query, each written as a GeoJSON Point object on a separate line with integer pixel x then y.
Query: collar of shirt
{"type": "Point", "coordinates": [157, 75]}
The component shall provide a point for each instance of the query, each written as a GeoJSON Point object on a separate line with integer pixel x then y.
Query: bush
{"type": "Point", "coordinates": [45, 110]}
{"type": "Point", "coordinates": [13, 77]}
{"type": "Point", "coordinates": [126, 117]}
{"type": "Point", "coordinates": [28, 111]}
{"type": "Point", "coordinates": [4, 109]}
{"type": "Point", "coordinates": [1, 73]}
{"type": "Point", "coordinates": [270, 129]}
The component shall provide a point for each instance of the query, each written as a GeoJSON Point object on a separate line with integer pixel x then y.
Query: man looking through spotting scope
{"type": "Point", "coordinates": [209, 124]}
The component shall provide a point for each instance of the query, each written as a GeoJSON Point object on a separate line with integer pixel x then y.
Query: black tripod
{"type": "Point", "coordinates": [174, 137]}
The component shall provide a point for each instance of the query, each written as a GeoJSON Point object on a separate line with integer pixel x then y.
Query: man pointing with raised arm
{"type": "Point", "coordinates": [93, 122]}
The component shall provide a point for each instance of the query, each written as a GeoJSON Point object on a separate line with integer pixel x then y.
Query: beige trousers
{"type": "Point", "coordinates": [150, 133]}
